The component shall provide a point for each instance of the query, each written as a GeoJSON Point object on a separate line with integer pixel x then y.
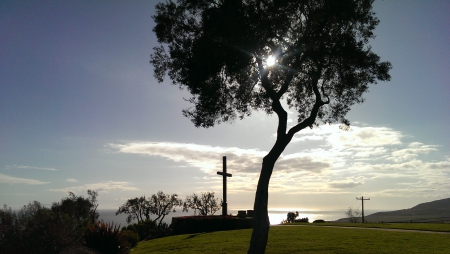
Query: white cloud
{"type": "Point", "coordinates": [206, 158]}
{"type": "Point", "coordinates": [412, 152]}
{"type": "Point", "coordinates": [18, 180]}
{"type": "Point", "coordinates": [28, 167]}
{"type": "Point", "coordinates": [71, 180]}
{"type": "Point", "coordinates": [344, 185]}
{"type": "Point", "coordinates": [371, 158]}
{"type": "Point", "coordinates": [100, 187]}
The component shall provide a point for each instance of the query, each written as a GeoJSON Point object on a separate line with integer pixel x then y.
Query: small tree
{"type": "Point", "coordinates": [159, 204]}
{"type": "Point", "coordinates": [353, 215]}
{"type": "Point", "coordinates": [136, 208]}
{"type": "Point", "coordinates": [162, 204]}
{"type": "Point", "coordinates": [82, 210]}
{"type": "Point", "coordinates": [291, 217]}
{"type": "Point", "coordinates": [205, 204]}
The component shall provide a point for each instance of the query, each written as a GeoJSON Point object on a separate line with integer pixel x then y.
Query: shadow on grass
{"type": "Point", "coordinates": [192, 236]}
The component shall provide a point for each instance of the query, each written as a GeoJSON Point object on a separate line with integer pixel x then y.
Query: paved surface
{"type": "Point", "coordinates": [382, 229]}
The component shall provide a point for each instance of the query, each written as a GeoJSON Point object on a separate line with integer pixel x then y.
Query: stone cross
{"type": "Point", "coordinates": [225, 175]}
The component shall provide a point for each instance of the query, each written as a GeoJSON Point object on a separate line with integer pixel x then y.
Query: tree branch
{"type": "Point", "coordinates": [312, 117]}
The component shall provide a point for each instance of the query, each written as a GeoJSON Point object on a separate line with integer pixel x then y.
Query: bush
{"type": "Point", "coordinates": [131, 237]}
{"type": "Point", "coordinates": [319, 221]}
{"type": "Point", "coordinates": [198, 224]}
{"type": "Point", "coordinates": [36, 229]}
{"type": "Point", "coordinates": [303, 220]}
{"type": "Point", "coordinates": [105, 238]}
{"type": "Point", "coordinates": [148, 229]}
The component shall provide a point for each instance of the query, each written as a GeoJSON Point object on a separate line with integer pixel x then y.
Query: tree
{"type": "Point", "coordinates": [162, 204]}
{"type": "Point", "coordinates": [46, 230]}
{"type": "Point", "coordinates": [291, 217]}
{"type": "Point", "coordinates": [158, 204]}
{"type": "Point", "coordinates": [353, 215]}
{"type": "Point", "coordinates": [82, 210]}
{"type": "Point", "coordinates": [136, 208]}
{"type": "Point", "coordinates": [236, 56]}
{"type": "Point", "coordinates": [204, 204]}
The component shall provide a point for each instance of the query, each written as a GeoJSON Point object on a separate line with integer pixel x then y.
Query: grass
{"type": "Point", "coordinates": [308, 239]}
{"type": "Point", "coordinates": [441, 227]}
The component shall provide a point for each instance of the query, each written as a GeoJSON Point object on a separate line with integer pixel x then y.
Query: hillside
{"type": "Point", "coordinates": [434, 211]}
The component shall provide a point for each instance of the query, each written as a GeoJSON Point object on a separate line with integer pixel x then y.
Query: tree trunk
{"type": "Point", "coordinates": [261, 221]}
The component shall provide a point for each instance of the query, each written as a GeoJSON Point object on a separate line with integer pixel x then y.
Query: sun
{"type": "Point", "coordinates": [271, 61]}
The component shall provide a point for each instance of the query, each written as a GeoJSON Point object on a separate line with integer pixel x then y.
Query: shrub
{"type": "Point", "coordinates": [304, 220]}
{"type": "Point", "coordinates": [105, 238]}
{"type": "Point", "coordinates": [319, 221]}
{"type": "Point", "coordinates": [148, 229]}
{"type": "Point", "coordinates": [131, 237]}
{"type": "Point", "coordinates": [143, 228]}
{"type": "Point", "coordinates": [198, 224]}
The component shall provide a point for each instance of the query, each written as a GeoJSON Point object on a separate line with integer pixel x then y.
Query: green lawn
{"type": "Point", "coordinates": [442, 227]}
{"type": "Point", "coordinates": [308, 239]}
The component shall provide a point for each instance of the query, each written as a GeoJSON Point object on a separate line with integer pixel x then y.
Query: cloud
{"type": "Point", "coordinates": [28, 167]}
{"type": "Point", "coordinates": [100, 187]}
{"type": "Point", "coordinates": [412, 152]}
{"type": "Point", "coordinates": [17, 180]}
{"type": "Point", "coordinates": [357, 136]}
{"type": "Point", "coordinates": [344, 185]}
{"type": "Point", "coordinates": [71, 180]}
{"type": "Point", "coordinates": [335, 162]}
{"type": "Point", "coordinates": [206, 158]}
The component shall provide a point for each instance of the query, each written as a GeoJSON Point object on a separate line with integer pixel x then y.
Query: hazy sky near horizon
{"type": "Point", "coordinates": [80, 109]}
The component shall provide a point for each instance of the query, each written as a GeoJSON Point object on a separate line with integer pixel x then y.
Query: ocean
{"type": "Point", "coordinates": [275, 216]}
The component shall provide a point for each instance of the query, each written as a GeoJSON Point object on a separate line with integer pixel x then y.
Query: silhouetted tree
{"type": "Point", "coordinates": [205, 204]}
{"type": "Point", "coordinates": [159, 204]}
{"type": "Point", "coordinates": [291, 217]}
{"type": "Point", "coordinates": [162, 204]}
{"type": "Point", "coordinates": [81, 209]}
{"type": "Point", "coordinates": [353, 215]}
{"type": "Point", "coordinates": [235, 56]}
{"type": "Point", "coordinates": [37, 229]}
{"type": "Point", "coordinates": [137, 209]}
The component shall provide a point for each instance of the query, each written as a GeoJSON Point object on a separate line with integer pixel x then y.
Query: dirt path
{"type": "Point", "coordinates": [382, 229]}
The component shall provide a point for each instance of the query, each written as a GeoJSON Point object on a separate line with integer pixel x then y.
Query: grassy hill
{"type": "Point", "coordinates": [434, 211]}
{"type": "Point", "coordinates": [303, 239]}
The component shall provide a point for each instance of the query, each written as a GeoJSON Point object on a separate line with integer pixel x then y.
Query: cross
{"type": "Point", "coordinates": [225, 175]}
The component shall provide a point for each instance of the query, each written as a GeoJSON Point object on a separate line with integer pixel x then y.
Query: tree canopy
{"type": "Point", "coordinates": [218, 51]}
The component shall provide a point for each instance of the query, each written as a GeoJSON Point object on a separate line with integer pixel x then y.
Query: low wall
{"type": "Point", "coordinates": [199, 224]}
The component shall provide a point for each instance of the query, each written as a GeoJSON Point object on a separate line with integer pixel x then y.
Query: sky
{"type": "Point", "coordinates": [80, 109]}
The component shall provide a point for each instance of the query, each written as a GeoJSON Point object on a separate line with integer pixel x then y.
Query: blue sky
{"type": "Point", "coordinates": [80, 109]}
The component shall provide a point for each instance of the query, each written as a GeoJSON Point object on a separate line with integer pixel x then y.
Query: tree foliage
{"type": "Point", "coordinates": [136, 208]}
{"type": "Point", "coordinates": [82, 210]}
{"type": "Point", "coordinates": [37, 229]}
{"type": "Point", "coordinates": [353, 215]}
{"type": "Point", "coordinates": [218, 49]}
{"type": "Point", "coordinates": [204, 205]}
{"type": "Point", "coordinates": [142, 208]}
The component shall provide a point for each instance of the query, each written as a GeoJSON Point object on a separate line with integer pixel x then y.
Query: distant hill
{"type": "Point", "coordinates": [434, 211]}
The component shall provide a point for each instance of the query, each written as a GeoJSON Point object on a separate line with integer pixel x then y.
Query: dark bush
{"type": "Point", "coordinates": [105, 238]}
{"type": "Point", "coordinates": [148, 229]}
{"type": "Point", "coordinates": [318, 221]}
{"type": "Point", "coordinates": [198, 224]}
{"type": "Point", "coordinates": [36, 229]}
{"type": "Point", "coordinates": [131, 237]}
{"type": "Point", "coordinates": [143, 228]}
{"type": "Point", "coordinates": [303, 220]}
